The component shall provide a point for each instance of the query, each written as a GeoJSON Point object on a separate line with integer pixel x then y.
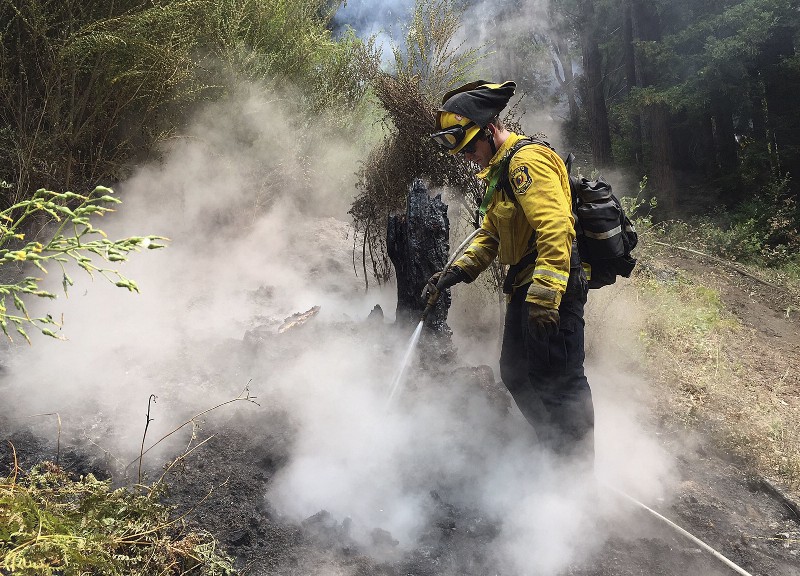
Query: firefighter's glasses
{"type": "Point", "coordinates": [450, 138]}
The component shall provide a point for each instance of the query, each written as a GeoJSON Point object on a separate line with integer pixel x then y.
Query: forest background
{"type": "Point", "coordinates": [699, 98]}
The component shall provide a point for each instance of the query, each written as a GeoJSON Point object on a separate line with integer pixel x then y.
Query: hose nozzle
{"type": "Point", "coordinates": [433, 298]}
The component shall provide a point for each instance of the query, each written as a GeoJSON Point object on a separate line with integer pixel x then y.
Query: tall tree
{"type": "Point", "coordinates": [594, 94]}
{"type": "Point", "coordinates": [629, 60]}
{"type": "Point", "coordinates": [781, 75]}
{"type": "Point", "coordinates": [655, 113]}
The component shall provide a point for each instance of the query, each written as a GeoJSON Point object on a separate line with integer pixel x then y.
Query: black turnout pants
{"type": "Point", "coordinates": [546, 376]}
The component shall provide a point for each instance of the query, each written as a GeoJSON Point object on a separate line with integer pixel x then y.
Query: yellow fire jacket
{"type": "Point", "coordinates": [540, 220]}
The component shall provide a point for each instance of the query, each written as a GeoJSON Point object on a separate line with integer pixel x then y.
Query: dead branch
{"type": "Point", "coordinates": [244, 395]}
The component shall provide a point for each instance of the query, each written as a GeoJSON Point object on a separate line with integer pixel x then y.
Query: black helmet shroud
{"type": "Point", "coordinates": [480, 101]}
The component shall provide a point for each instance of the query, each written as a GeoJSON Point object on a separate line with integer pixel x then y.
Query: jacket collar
{"type": "Point", "coordinates": [512, 139]}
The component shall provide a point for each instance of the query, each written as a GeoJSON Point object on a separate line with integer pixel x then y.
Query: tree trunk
{"type": "Point", "coordinates": [630, 81]}
{"type": "Point", "coordinates": [656, 120]}
{"type": "Point", "coordinates": [724, 134]}
{"type": "Point", "coordinates": [709, 160]}
{"type": "Point", "coordinates": [663, 177]}
{"type": "Point", "coordinates": [599, 132]}
{"type": "Point", "coordinates": [418, 244]}
{"type": "Point", "coordinates": [566, 77]}
{"type": "Point", "coordinates": [781, 86]}
{"type": "Point", "coordinates": [757, 107]}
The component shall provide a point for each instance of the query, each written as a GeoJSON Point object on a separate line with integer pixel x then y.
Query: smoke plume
{"type": "Point", "coordinates": [255, 208]}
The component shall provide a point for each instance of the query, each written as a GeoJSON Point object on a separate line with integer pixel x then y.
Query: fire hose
{"type": "Point", "coordinates": [693, 538]}
{"type": "Point", "coordinates": [433, 295]}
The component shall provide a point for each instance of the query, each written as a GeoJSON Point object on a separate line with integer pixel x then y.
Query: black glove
{"type": "Point", "coordinates": [542, 322]}
{"type": "Point", "coordinates": [443, 280]}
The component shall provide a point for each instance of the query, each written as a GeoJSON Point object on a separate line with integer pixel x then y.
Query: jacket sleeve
{"type": "Point", "coordinates": [481, 251]}
{"type": "Point", "coordinates": [541, 185]}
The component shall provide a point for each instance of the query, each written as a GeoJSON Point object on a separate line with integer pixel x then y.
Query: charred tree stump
{"type": "Point", "coordinates": [418, 245]}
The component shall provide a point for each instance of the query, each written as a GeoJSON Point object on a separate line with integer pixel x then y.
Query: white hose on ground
{"type": "Point", "coordinates": [695, 539]}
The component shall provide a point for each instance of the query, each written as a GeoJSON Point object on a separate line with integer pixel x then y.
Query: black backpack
{"type": "Point", "coordinates": [605, 235]}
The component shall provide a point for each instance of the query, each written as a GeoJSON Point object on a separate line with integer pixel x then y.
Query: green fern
{"type": "Point", "coordinates": [51, 523]}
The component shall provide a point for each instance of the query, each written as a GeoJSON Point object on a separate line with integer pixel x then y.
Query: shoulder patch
{"type": "Point", "coordinates": [520, 179]}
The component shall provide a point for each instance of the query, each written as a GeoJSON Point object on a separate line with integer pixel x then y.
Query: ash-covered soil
{"type": "Point", "coordinates": [713, 499]}
{"type": "Point", "coordinates": [226, 487]}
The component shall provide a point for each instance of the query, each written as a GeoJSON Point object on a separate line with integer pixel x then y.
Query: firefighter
{"type": "Point", "coordinates": [529, 226]}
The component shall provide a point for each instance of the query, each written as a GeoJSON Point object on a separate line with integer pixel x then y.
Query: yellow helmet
{"type": "Point", "coordinates": [453, 131]}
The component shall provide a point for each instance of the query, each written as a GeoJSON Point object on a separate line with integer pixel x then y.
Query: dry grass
{"type": "Point", "coordinates": [719, 375]}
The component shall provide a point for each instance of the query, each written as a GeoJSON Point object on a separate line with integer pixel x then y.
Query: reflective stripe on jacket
{"type": "Point", "coordinates": [542, 203]}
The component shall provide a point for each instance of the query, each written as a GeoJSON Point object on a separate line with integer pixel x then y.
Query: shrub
{"type": "Point", "coordinates": [90, 88]}
{"type": "Point", "coordinates": [763, 230]}
{"type": "Point", "coordinates": [51, 523]}
{"type": "Point", "coordinates": [75, 239]}
{"type": "Point", "coordinates": [410, 96]}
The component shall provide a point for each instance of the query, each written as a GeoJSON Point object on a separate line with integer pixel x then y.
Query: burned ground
{"type": "Point", "coordinates": [715, 494]}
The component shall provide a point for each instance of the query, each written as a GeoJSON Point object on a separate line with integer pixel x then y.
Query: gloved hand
{"type": "Point", "coordinates": [542, 321]}
{"type": "Point", "coordinates": [442, 280]}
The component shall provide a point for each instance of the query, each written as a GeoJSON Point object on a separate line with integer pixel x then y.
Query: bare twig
{"type": "Point", "coordinates": [58, 438]}
{"type": "Point", "coordinates": [15, 472]}
{"type": "Point", "coordinates": [105, 451]}
{"type": "Point", "coordinates": [151, 400]}
{"type": "Point", "coordinates": [364, 258]}
{"type": "Point", "coordinates": [244, 395]}
{"type": "Point", "coordinates": [355, 241]}
{"type": "Point", "coordinates": [179, 458]}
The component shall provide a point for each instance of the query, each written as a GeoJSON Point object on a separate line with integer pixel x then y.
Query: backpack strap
{"type": "Point", "coordinates": [504, 182]}
{"type": "Point", "coordinates": [568, 163]}
{"type": "Point", "coordinates": [500, 176]}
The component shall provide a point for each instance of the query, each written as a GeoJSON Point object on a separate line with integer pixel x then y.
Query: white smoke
{"type": "Point", "coordinates": [248, 201]}
{"type": "Point", "coordinates": [384, 20]}
{"type": "Point", "coordinates": [255, 210]}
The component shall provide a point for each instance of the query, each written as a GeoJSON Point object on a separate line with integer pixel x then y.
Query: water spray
{"type": "Point", "coordinates": [433, 298]}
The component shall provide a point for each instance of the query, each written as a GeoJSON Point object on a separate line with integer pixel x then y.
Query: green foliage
{"type": "Point", "coordinates": [684, 311]}
{"type": "Point", "coordinates": [89, 88]}
{"type": "Point", "coordinates": [710, 48]}
{"type": "Point", "coordinates": [708, 94]}
{"type": "Point", "coordinates": [763, 230]}
{"type": "Point", "coordinates": [75, 239]}
{"type": "Point", "coordinates": [286, 44]}
{"type": "Point", "coordinates": [53, 524]}
{"type": "Point", "coordinates": [639, 208]}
